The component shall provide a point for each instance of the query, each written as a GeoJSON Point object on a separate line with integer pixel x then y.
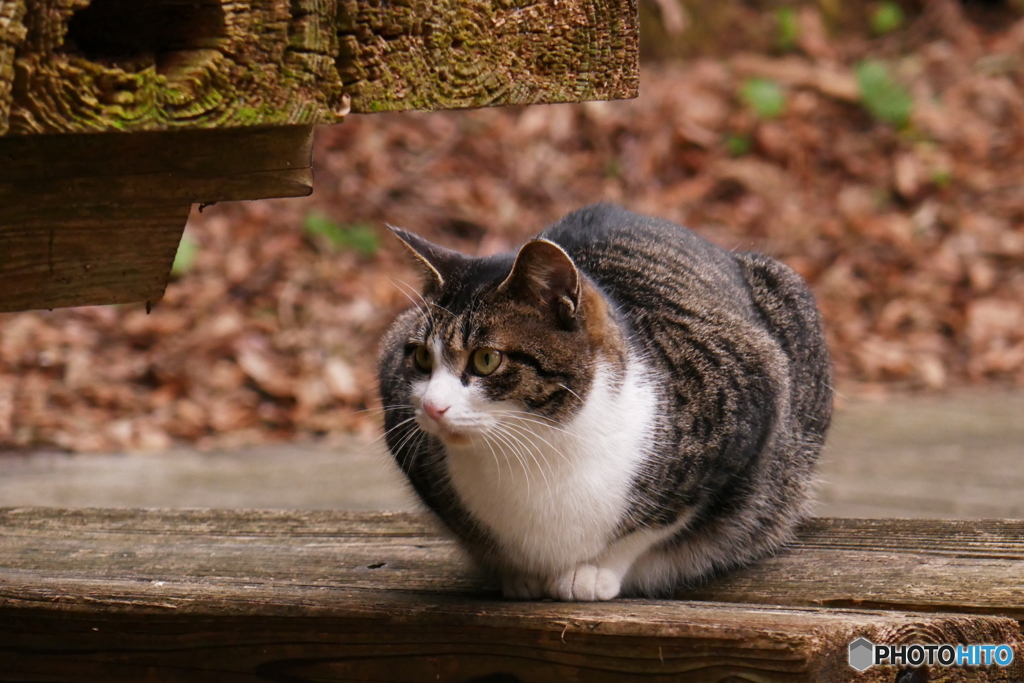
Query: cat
{"type": "Point", "coordinates": [618, 408]}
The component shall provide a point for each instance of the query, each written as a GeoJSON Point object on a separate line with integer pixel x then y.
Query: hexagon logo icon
{"type": "Point", "coordinates": [862, 654]}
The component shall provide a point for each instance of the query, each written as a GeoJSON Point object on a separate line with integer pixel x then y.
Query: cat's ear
{"type": "Point", "coordinates": [546, 274]}
{"type": "Point", "coordinates": [435, 261]}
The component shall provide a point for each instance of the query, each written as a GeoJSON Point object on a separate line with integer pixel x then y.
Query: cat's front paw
{"type": "Point", "coordinates": [522, 587]}
{"type": "Point", "coordinates": [585, 582]}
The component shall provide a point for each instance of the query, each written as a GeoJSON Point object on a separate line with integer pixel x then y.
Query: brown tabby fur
{"type": "Point", "coordinates": [734, 340]}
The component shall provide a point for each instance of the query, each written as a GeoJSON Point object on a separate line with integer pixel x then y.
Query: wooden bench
{"type": "Point", "coordinates": [201, 595]}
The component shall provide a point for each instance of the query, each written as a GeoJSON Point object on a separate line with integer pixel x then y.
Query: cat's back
{"type": "Point", "coordinates": [650, 262]}
{"type": "Point", "coordinates": [687, 297]}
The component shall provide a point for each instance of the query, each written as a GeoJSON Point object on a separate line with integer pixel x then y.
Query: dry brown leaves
{"type": "Point", "coordinates": [913, 240]}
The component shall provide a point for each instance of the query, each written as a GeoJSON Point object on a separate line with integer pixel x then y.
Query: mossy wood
{"type": "Point", "coordinates": [77, 68]}
{"type": "Point", "coordinates": [125, 595]}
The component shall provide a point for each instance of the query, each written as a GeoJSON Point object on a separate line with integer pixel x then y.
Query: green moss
{"type": "Point", "coordinates": [248, 115]}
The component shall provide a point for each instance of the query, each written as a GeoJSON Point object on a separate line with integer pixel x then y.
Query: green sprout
{"type": "Point", "coordinates": [185, 257]}
{"type": "Point", "coordinates": [886, 18]}
{"type": "Point", "coordinates": [883, 97]}
{"type": "Point", "coordinates": [765, 97]}
{"type": "Point", "coordinates": [942, 177]}
{"type": "Point", "coordinates": [788, 28]}
{"type": "Point", "coordinates": [358, 237]}
{"type": "Point", "coordinates": [737, 145]}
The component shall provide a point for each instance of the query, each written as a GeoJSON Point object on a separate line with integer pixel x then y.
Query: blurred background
{"type": "Point", "coordinates": [875, 147]}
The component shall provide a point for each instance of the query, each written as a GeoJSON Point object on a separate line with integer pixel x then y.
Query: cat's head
{"type": "Point", "coordinates": [499, 339]}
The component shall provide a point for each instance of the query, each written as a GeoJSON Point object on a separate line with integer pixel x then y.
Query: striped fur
{"type": "Point", "coordinates": [655, 418]}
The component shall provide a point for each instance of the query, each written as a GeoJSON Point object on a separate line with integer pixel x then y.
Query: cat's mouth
{"type": "Point", "coordinates": [448, 435]}
{"type": "Point", "coordinates": [452, 437]}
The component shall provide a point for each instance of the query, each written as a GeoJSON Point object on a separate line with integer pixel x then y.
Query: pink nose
{"type": "Point", "coordinates": [434, 411]}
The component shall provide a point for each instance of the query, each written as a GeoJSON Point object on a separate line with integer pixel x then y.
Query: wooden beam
{"type": "Point", "coordinates": [120, 595]}
{"type": "Point", "coordinates": [123, 65]}
{"type": "Point", "coordinates": [96, 219]}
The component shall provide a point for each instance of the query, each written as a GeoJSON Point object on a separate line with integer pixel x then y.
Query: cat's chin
{"type": "Point", "coordinates": [450, 438]}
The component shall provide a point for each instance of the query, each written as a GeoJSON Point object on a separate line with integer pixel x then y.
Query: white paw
{"type": "Point", "coordinates": [585, 582]}
{"type": "Point", "coordinates": [522, 587]}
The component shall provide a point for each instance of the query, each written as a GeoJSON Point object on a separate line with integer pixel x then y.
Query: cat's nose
{"type": "Point", "coordinates": [435, 411]}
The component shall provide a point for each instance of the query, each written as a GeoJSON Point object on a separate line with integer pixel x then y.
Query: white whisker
{"type": "Point", "coordinates": [517, 453]}
{"type": "Point", "coordinates": [532, 452]}
{"type": "Point", "coordinates": [531, 433]}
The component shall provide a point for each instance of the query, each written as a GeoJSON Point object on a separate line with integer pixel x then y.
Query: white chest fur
{"type": "Point", "coordinates": [553, 496]}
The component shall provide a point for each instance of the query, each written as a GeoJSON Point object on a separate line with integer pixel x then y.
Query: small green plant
{"type": "Point", "coordinates": [942, 177]}
{"type": "Point", "coordinates": [737, 145]}
{"type": "Point", "coordinates": [336, 236]}
{"type": "Point", "coordinates": [883, 97]}
{"type": "Point", "coordinates": [185, 257]}
{"type": "Point", "coordinates": [765, 97]}
{"type": "Point", "coordinates": [788, 28]}
{"type": "Point", "coordinates": [886, 18]}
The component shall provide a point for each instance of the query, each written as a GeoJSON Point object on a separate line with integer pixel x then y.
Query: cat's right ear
{"type": "Point", "coordinates": [435, 261]}
{"type": "Point", "coordinates": [545, 274]}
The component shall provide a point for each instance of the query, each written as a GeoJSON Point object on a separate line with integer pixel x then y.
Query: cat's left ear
{"type": "Point", "coordinates": [435, 261]}
{"type": "Point", "coordinates": [546, 274]}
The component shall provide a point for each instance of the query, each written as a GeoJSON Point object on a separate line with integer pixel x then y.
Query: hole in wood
{"type": "Point", "coordinates": [134, 30]}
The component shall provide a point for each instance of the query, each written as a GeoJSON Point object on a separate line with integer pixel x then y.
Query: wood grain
{"type": "Point", "coordinates": [108, 255]}
{"type": "Point", "coordinates": [974, 566]}
{"type": "Point", "coordinates": [450, 54]}
{"type": "Point", "coordinates": [197, 595]}
{"type": "Point", "coordinates": [96, 219]}
{"type": "Point", "coordinates": [122, 65]}
{"type": "Point", "coordinates": [12, 34]}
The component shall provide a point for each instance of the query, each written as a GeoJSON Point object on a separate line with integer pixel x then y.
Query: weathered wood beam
{"type": "Point", "coordinates": [120, 595]}
{"type": "Point", "coordinates": [73, 66]}
{"type": "Point", "coordinates": [96, 219]}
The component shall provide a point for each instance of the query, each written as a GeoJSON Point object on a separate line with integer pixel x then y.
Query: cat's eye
{"type": "Point", "coordinates": [485, 361]}
{"type": "Point", "coordinates": [422, 358]}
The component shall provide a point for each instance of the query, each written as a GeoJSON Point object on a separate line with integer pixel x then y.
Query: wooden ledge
{"type": "Point", "coordinates": [118, 595]}
{"type": "Point", "coordinates": [81, 66]}
{"type": "Point", "coordinates": [96, 219]}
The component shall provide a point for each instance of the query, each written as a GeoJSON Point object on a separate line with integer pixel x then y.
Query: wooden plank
{"type": "Point", "coordinates": [96, 219]}
{"type": "Point", "coordinates": [974, 566]}
{"type": "Point", "coordinates": [185, 154]}
{"type": "Point", "coordinates": [118, 595]}
{"type": "Point", "coordinates": [115, 256]}
{"type": "Point", "coordinates": [910, 565]}
{"type": "Point", "coordinates": [122, 65]}
{"type": "Point", "coordinates": [390, 636]}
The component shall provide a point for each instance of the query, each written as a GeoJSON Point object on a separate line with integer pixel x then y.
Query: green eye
{"type": "Point", "coordinates": [422, 358]}
{"type": "Point", "coordinates": [486, 361]}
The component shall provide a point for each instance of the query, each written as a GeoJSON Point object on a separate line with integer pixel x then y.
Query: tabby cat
{"type": "Point", "coordinates": [619, 408]}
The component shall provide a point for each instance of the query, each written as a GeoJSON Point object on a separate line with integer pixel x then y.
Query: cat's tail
{"type": "Point", "coordinates": [791, 315]}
